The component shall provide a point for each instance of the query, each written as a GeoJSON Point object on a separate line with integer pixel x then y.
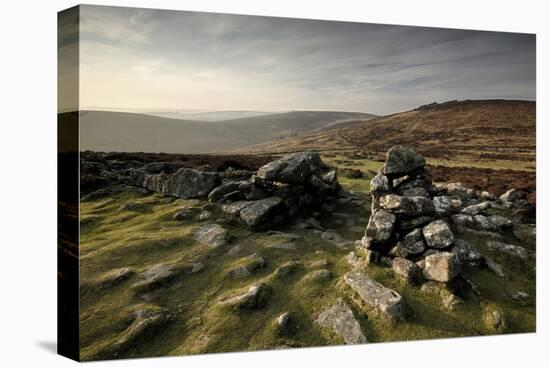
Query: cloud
{"type": "Point", "coordinates": [137, 58]}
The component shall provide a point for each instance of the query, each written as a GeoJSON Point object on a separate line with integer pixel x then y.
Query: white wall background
{"type": "Point", "coordinates": [28, 181]}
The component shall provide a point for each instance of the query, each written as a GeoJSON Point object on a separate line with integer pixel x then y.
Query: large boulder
{"type": "Point", "coordinates": [375, 296]}
{"type": "Point", "coordinates": [340, 319]}
{"type": "Point", "coordinates": [293, 168]}
{"type": "Point", "coordinates": [186, 183]}
{"type": "Point", "coordinates": [259, 211]}
{"type": "Point", "coordinates": [401, 161]}
{"type": "Point", "coordinates": [438, 234]}
{"type": "Point", "coordinates": [442, 267]}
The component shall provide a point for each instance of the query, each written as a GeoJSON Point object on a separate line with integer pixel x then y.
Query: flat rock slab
{"type": "Point", "coordinates": [212, 235]}
{"type": "Point", "coordinates": [508, 249]}
{"type": "Point", "coordinates": [375, 295]}
{"type": "Point", "coordinates": [340, 319]}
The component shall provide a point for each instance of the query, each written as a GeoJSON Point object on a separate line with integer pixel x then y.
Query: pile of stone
{"type": "Point", "coordinates": [282, 189]}
{"type": "Point", "coordinates": [413, 224]}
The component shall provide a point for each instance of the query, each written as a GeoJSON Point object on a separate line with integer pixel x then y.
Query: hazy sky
{"type": "Point", "coordinates": [153, 59]}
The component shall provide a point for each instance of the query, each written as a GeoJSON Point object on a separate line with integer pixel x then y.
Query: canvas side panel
{"type": "Point", "coordinates": [68, 184]}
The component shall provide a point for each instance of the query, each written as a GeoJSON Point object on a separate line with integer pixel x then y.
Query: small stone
{"type": "Point", "coordinates": [379, 186]}
{"type": "Point", "coordinates": [481, 221]}
{"type": "Point", "coordinates": [319, 264]}
{"type": "Point", "coordinates": [254, 297]}
{"type": "Point", "coordinates": [443, 206]}
{"type": "Point", "coordinates": [494, 267]}
{"type": "Point", "coordinates": [494, 320]}
{"type": "Point", "coordinates": [520, 296]}
{"type": "Point", "coordinates": [183, 214]}
{"type": "Point", "coordinates": [313, 223]}
{"type": "Point", "coordinates": [500, 222]}
{"type": "Point", "coordinates": [464, 220]}
{"type": "Point", "coordinates": [486, 195]}
{"type": "Point", "coordinates": [212, 235]}
{"type": "Point", "coordinates": [288, 268]}
{"type": "Point", "coordinates": [234, 250]}
{"type": "Point", "coordinates": [283, 246]}
{"type": "Point", "coordinates": [466, 253]}
{"type": "Point", "coordinates": [380, 226]}
{"type": "Point", "coordinates": [205, 215]}
{"type": "Point", "coordinates": [513, 195]}
{"type": "Point", "coordinates": [407, 224]}
{"type": "Point", "coordinates": [416, 191]}
{"type": "Point", "coordinates": [317, 275]}
{"type": "Point", "coordinates": [406, 270]}
{"type": "Point", "coordinates": [113, 277]}
{"type": "Point", "coordinates": [282, 323]}
{"type": "Point", "coordinates": [442, 267]}
{"type": "Point", "coordinates": [477, 208]}
{"type": "Point", "coordinates": [340, 319]}
{"type": "Point", "coordinates": [438, 234]}
{"type": "Point", "coordinates": [352, 259]}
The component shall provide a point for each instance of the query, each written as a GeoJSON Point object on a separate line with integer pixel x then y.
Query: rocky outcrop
{"type": "Point", "coordinates": [185, 183]}
{"type": "Point", "coordinates": [412, 219]}
{"type": "Point", "coordinates": [294, 168]}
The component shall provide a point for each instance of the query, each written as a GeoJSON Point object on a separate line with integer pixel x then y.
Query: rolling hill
{"type": "Point", "coordinates": [471, 129]}
{"type": "Point", "coordinates": [134, 132]}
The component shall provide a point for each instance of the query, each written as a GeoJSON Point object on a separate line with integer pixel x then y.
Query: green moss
{"type": "Point", "coordinates": [112, 238]}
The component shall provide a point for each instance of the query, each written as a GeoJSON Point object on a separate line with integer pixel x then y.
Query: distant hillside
{"type": "Point", "coordinates": [209, 115]}
{"type": "Point", "coordinates": [477, 128]}
{"type": "Point", "coordinates": [133, 132]}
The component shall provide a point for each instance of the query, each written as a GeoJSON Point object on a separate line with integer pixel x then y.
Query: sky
{"type": "Point", "coordinates": [142, 59]}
